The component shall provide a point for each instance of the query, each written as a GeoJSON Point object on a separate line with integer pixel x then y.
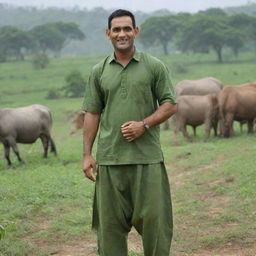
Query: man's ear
{"type": "Point", "coordinates": [107, 33]}
{"type": "Point", "coordinates": [137, 31]}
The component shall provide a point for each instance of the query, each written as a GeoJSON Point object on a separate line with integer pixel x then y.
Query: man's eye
{"type": "Point", "coordinates": [127, 29]}
{"type": "Point", "coordinates": [116, 30]}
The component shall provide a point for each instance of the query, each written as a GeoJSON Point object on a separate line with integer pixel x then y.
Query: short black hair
{"type": "Point", "coordinates": [121, 13]}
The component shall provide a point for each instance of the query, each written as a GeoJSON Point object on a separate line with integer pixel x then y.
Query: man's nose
{"type": "Point", "coordinates": [122, 32]}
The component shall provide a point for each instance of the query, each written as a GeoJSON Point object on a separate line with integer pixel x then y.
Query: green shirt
{"type": "Point", "coordinates": [122, 94]}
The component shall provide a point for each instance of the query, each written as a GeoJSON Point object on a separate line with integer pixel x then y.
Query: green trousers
{"type": "Point", "coordinates": [133, 195]}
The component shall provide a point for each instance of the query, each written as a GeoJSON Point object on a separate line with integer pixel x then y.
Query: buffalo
{"type": "Point", "coordinates": [195, 110]}
{"type": "Point", "coordinates": [25, 125]}
{"type": "Point", "coordinates": [237, 103]}
{"type": "Point", "coordinates": [202, 86]}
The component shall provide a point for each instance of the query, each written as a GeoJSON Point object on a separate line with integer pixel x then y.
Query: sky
{"type": "Point", "coordinates": [134, 5]}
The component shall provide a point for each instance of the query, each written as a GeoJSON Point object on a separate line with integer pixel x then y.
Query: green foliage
{"type": "Point", "coordinates": [75, 85]}
{"type": "Point", "coordinates": [52, 36]}
{"type": "Point", "coordinates": [204, 32]}
{"type": "Point", "coordinates": [13, 40]}
{"type": "Point", "coordinates": [214, 12]}
{"type": "Point", "coordinates": [48, 37]}
{"type": "Point", "coordinates": [69, 29]}
{"type": "Point", "coordinates": [53, 94]}
{"type": "Point", "coordinates": [159, 30]}
{"type": "Point", "coordinates": [40, 60]}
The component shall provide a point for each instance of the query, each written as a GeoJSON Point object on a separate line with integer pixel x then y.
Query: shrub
{"type": "Point", "coordinates": [75, 85]}
{"type": "Point", "coordinates": [40, 61]}
{"type": "Point", "coordinates": [53, 94]}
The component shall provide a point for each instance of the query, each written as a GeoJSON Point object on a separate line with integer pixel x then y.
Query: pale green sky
{"type": "Point", "coordinates": [142, 5]}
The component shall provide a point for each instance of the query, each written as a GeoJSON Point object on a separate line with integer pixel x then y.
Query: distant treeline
{"type": "Point", "coordinates": [16, 43]}
{"type": "Point", "coordinates": [171, 31]}
{"type": "Point", "coordinates": [205, 31]}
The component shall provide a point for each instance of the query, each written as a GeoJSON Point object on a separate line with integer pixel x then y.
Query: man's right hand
{"type": "Point", "coordinates": [89, 167]}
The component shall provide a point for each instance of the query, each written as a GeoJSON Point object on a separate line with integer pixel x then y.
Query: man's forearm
{"type": "Point", "coordinates": [91, 125]}
{"type": "Point", "coordinates": [165, 111]}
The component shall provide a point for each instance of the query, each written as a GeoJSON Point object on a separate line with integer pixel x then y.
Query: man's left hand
{"type": "Point", "coordinates": [132, 130]}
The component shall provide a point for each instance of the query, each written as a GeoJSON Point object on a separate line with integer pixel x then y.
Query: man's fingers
{"type": "Point", "coordinates": [125, 124]}
{"type": "Point", "coordinates": [129, 138]}
{"type": "Point", "coordinates": [89, 176]}
{"type": "Point", "coordinates": [125, 129]}
{"type": "Point", "coordinates": [128, 133]}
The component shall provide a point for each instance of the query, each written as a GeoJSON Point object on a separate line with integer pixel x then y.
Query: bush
{"type": "Point", "coordinates": [53, 94]}
{"type": "Point", "coordinates": [75, 85]}
{"type": "Point", "coordinates": [40, 61]}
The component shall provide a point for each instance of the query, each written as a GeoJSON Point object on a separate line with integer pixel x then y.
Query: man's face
{"type": "Point", "coordinates": [122, 33]}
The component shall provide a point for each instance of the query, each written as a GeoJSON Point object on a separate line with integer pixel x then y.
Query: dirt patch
{"type": "Point", "coordinates": [88, 246]}
{"type": "Point", "coordinates": [135, 242]}
{"type": "Point", "coordinates": [230, 250]}
{"type": "Point", "coordinates": [81, 247]}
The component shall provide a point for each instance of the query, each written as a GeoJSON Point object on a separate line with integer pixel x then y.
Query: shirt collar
{"type": "Point", "coordinates": [136, 57]}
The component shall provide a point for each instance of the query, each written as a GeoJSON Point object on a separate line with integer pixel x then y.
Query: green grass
{"type": "Point", "coordinates": [47, 202]}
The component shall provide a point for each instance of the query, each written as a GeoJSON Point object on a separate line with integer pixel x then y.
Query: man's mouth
{"type": "Point", "coordinates": [122, 41]}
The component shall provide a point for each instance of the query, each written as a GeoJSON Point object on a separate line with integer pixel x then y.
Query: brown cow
{"type": "Point", "coordinates": [195, 110]}
{"type": "Point", "coordinates": [237, 103]}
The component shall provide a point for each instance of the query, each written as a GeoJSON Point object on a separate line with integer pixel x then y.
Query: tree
{"type": "Point", "coordinates": [70, 30]}
{"type": "Point", "coordinates": [214, 12]}
{"type": "Point", "coordinates": [48, 37]}
{"type": "Point", "coordinates": [203, 33]}
{"type": "Point", "coordinates": [159, 30]}
{"type": "Point", "coordinates": [235, 40]}
{"type": "Point", "coordinates": [12, 41]}
{"type": "Point", "coordinates": [246, 24]}
{"type": "Point", "coordinates": [53, 36]}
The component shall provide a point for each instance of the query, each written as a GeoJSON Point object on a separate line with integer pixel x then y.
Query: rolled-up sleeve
{"type": "Point", "coordinates": [93, 100]}
{"type": "Point", "coordinates": [164, 89]}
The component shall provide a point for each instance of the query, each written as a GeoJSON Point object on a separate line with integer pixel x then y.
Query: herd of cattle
{"type": "Point", "coordinates": [204, 101]}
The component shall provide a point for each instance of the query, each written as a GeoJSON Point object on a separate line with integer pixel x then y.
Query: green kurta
{"type": "Point", "coordinates": [129, 93]}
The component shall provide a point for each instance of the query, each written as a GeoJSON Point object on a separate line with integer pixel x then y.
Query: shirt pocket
{"type": "Point", "coordinates": [141, 89]}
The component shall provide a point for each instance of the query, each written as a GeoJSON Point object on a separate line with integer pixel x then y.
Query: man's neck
{"type": "Point", "coordinates": [124, 57]}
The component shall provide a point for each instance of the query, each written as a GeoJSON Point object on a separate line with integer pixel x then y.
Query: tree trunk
{"type": "Point", "coordinates": [219, 53]}
{"type": "Point", "coordinates": [165, 48]}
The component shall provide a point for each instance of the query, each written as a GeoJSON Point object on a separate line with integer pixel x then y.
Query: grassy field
{"type": "Point", "coordinates": [45, 205]}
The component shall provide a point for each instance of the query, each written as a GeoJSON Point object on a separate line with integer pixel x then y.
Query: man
{"type": "Point", "coordinates": [128, 95]}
